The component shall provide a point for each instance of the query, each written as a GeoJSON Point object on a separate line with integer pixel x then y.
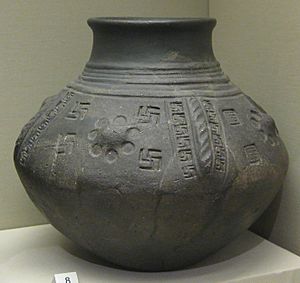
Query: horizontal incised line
{"type": "Point", "coordinates": [104, 71]}
{"type": "Point", "coordinates": [156, 80]}
{"type": "Point", "coordinates": [163, 91]}
{"type": "Point", "coordinates": [155, 76]}
{"type": "Point", "coordinates": [163, 66]}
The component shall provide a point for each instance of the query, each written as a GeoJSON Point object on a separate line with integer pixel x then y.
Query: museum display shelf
{"type": "Point", "coordinates": [35, 254]}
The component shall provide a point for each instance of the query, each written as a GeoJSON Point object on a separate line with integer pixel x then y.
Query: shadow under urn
{"type": "Point", "coordinates": [152, 159]}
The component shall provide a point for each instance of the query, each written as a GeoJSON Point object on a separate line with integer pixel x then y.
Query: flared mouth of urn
{"type": "Point", "coordinates": [151, 21]}
{"type": "Point", "coordinates": [124, 40]}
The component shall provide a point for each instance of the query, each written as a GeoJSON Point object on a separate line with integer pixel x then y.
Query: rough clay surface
{"type": "Point", "coordinates": [151, 164]}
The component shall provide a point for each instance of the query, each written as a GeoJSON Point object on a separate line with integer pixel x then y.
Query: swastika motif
{"type": "Point", "coordinates": [78, 111]}
{"type": "Point", "coordinates": [182, 138]}
{"type": "Point", "coordinates": [150, 159]}
{"type": "Point", "coordinates": [149, 114]}
{"type": "Point", "coordinates": [65, 144]}
{"type": "Point", "coordinates": [189, 171]}
{"type": "Point", "coordinates": [185, 155]}
{"type": "Point", "coordinates": [48, 116]}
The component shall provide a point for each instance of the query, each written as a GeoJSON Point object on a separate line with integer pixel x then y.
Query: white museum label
{"type": "Point", "coordinates": [70, 277]}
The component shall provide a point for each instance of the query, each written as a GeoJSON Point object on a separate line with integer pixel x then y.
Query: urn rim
{"type": "Point", "coordinates": [152, 20]}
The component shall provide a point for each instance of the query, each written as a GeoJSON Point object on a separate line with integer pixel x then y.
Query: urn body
{"type": "Point", "coordinates": [152, 159]}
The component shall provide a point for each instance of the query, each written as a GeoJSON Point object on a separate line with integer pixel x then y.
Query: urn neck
{"type": "Point", "coordinates": [147, 42]}
{"type": "Point", "coordinates": [153, 57]}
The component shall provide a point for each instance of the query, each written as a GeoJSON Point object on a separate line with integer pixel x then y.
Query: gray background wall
{"type": "Point", "coordinates": [258, 43]}
{"type": "Point", "coordinates": [43, 45]}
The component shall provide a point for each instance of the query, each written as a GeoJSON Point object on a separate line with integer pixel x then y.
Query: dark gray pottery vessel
{"type": "Point", "coordinates": [152, 159]}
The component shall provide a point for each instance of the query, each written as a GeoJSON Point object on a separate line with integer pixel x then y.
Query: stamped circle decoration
{"type": "Point", "coordinates": [265, 125]}
{"type": "Point", "coordinates": [112, 139]}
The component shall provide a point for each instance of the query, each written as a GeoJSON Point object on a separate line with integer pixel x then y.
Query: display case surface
{"type": "Point", "coordinates": [35, 254]}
